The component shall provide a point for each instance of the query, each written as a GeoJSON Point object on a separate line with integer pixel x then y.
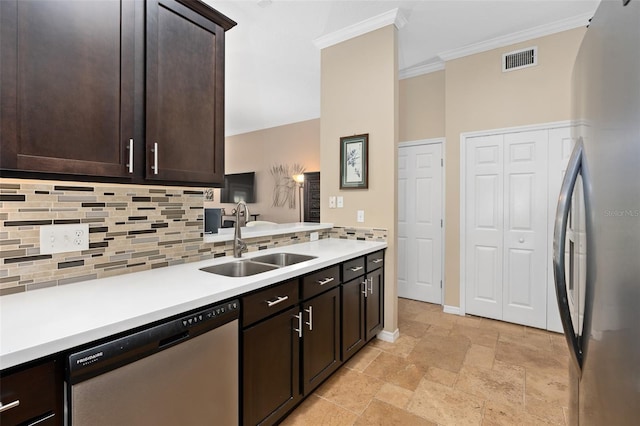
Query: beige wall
{"type": "Point", "coordinates": [479, 96]}
{"type": "Point", "coordinates": [258, 151]}
{"type": "Point", "coordinates": [359, 94]}
{"type": "Point", "coordinates": [421, 107]}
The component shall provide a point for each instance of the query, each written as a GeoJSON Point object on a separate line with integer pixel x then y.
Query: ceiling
{"type": "Point", "coordinates": [273, 65]}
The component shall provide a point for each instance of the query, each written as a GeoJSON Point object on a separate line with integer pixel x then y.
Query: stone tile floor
{"type": "Point", "coordinates": [446, 370]}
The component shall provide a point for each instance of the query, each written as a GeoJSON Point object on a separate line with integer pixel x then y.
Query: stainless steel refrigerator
{"type": "Point", "coordinates": [597, 228]}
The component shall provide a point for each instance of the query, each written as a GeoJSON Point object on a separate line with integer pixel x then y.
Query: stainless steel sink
{"type": "Point", "coordinates": [241, 268]}
{"type": "Point", "coordinates": [282, 259]}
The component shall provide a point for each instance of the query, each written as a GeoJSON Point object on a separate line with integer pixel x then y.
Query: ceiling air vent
{"type": "Point", "coordinates": [519, 59]}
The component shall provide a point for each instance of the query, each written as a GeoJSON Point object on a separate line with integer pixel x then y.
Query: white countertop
{"type": "Point", "coordinates": [43, 322]}
{"type": "Point", "coordinates": [264, 230]}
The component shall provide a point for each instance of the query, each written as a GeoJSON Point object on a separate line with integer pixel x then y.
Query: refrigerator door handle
{"type": "Point", "coordinates": [559, 239]}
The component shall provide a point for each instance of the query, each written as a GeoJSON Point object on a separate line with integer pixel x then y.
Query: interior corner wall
{"type": "Point", "coordinates": [422, 107]}
{"type": "Point", "coordinates": [479, 96]}
{"type": "Point", "coordinates": [260, 150]}
{"type": "Point", "coordinates": [359, 94]}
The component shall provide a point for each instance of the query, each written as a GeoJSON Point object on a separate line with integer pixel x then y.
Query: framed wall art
{"type": "Point", "coordinates": [354, 162]}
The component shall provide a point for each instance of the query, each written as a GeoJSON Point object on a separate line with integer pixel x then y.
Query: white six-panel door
{"type": "Point", "coordinates": [525, 227]}
{"type": "Point", "coordinates": [420, 222]}
{"type": "Point", "coordinates": [506, 227]}
{"type": "Point", "coordinates": [484, 226]}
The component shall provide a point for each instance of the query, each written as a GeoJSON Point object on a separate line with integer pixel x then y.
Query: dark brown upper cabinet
{"type": "Point", "coordinates": [67, 92]}
{"type": "Point", "coordinates": [184, 93]}
{"type": "Point", "coordinates": [125, 91]}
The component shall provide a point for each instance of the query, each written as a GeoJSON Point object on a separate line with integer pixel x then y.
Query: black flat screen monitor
{"type": "Point", "coordinates": [238, 187]}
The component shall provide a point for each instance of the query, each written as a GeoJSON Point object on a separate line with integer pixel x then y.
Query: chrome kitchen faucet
{"type": "Point", "coordinates": [239, 246]}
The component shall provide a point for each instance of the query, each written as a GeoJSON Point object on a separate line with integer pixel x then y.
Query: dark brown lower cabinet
{"type": "Point", "coordinates": [33, 396]}
{"type": "Point", "coordinates": [286, 355]}
{"type": "Point", "coordinates": [321, 338]}
{"type": "Point", "coordinates": [374, 303]}
{"type": "Point", "coordinates": [271, 369]}
{"type": "Point", "coordinates": [353, 308]}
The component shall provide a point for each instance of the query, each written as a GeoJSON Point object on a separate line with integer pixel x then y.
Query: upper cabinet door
{"type": "Point", "coordinates": [185, 94]}
{"type": "Point", "coordinates": [67, 76]}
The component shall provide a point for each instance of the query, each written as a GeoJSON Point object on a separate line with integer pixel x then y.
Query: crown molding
{"type": "Point", "coordinates": [393, 16]}
{"type": "Point", "coordinates": [517, 37]}
{"type": "Point", "coordinates": [420, 70]}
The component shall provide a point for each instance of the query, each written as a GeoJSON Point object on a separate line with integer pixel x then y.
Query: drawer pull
{"type": "Point", "coordinates": [356, 268]}
{"type": "Point", "coordinates": [365, 288]}
{"type": "Point", "coordinates": [9, 406]}
{"type": "Point", "coordinates": [326, 281]}
{"type": "Point", "coordinates": [371, 285]}
{"type": "Point", "coordinates": [279, 299]}
{"type": "Point", "coordinates": [377, 260]}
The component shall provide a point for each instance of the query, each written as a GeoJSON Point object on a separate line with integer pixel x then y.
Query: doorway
{"type": "Point", "coordinates": [420, 220]}
{"type": "Point", "coordinates": [510, 181]}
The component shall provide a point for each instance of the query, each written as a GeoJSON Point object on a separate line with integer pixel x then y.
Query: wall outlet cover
{"type": "Point", "coordinates": [360, 216]}
{"type": "Point", "coordinates": [314, 236]}
{"type": "Point", "coordinates": [64, 238]}
{"type": "Point", "coordinates": [340, 201]}
{"type": "Point", "coordinates": [332, 202]}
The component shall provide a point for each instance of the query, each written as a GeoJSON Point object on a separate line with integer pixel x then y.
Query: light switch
{"type": "Point", "coordinates": [340, 201]}
{"type": "Point", "coordinates": [332, 202]}
{"type": "Point", "coordinates": [360, 216]}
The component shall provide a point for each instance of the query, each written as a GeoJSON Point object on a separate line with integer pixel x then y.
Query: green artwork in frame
{"type": "Point", "coordinates": [354, 162]}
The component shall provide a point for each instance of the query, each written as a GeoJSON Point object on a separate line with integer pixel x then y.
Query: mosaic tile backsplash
{"type": "Point", "coordinates": [131, 229]}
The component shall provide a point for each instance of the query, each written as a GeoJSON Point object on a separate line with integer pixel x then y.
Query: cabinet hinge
{"type": "Point", "coordinates": [442, 162]}
{"type": "Point", "coordinates": [441, 223]}
{"type": "Point", "coordinates": [440, 283]}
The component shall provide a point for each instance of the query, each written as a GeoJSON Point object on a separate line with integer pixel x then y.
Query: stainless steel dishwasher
{"type": "Point", "coordinates": [180, 372]}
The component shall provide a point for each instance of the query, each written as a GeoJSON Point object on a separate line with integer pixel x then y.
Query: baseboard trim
{"type": "Point", "coordinates": [455, 310]}
{"type": "Point", "coordinates": [388, 336]}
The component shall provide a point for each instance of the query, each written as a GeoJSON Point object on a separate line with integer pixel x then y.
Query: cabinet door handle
{"type": "Point", "coordinates": [310, 322]}
{"type": "Point", "coordinates": [370, 284]}
{"type": "Point", "coordinates": [9, 406]}
{"type": "Point", "coordinates": [326, 281]}
{"type": "Point", "coordinates": [155, 158]}
{"type": "Point", "coordinates": [299, 329]}
{"type": "Point", "coordinates": [279, 299]}
{"type": "Point", "coordinates": [364, 283]}
{"type": "Point", "coordinates": [377, 260]}
{"type": "Point", "coordinates": [130, 165]}
{"type": "Point", "coordinates": [355, 268]}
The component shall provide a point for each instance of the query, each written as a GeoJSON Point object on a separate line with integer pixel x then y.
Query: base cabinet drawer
{"type": "Point", "coordinates": [321, 281]}
{"type": "Point", "coordinates": [32, 396]}
{"type": "Point", "coordinates": [272, 300]}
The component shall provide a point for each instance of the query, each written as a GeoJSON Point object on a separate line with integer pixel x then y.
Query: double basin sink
{"type": "Point", "coordinates": [256, 265]}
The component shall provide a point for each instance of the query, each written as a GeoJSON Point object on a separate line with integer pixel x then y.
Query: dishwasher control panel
{"type": "Point", "coordinates": [211, 313]}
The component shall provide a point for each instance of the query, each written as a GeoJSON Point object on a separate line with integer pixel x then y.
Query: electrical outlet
{"type": "Point", "coordinates": [64, 238]}
{"type": "Point", "coordinates": [360, 216]}
{"type": "Point", "coordinates": [314, 236]}
{"type": "Point", "coordinates": [340, 202]}
{"type": "Point", "coordinates": [332, 202]}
